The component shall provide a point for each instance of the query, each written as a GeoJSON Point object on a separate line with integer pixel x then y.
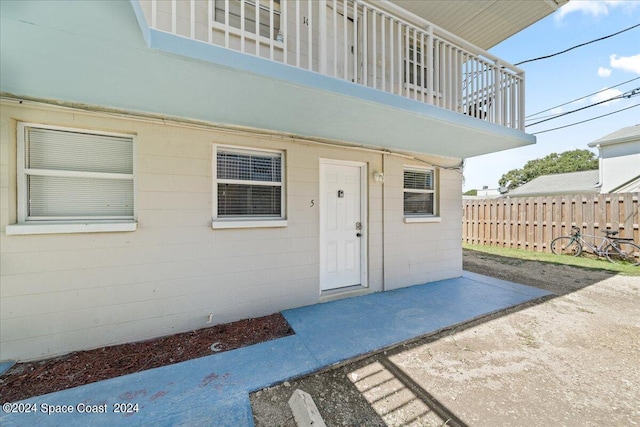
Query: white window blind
{"type": "Point", "coordinates": [249, 184]}
{"type": "Point", "coordinates": [72, 175]}
{"type": "Point", "coordinates": [419, 193]}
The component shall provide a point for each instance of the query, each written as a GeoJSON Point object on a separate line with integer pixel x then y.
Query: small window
{"type": "Point", "coordinates": [415, 66]}
{"type": "Point", "coordinates": [70, 175]}
{"type": "Point", "coordinates": [264, 16]}
{"type": "Point", "coordinates": [419, 192]}
{"type": "Point", "coordinates": [249, 183]}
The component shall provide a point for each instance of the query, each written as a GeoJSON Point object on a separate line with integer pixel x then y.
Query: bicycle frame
{"type": "Point", "coordinates": [597, 250]}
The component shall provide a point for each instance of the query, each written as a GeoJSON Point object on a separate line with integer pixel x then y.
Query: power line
{"type": "Point", "coordinates": [577, 46]}
{"type": "Point", "coordinates": [583, 97]}
{"type": "Point", "coordinates": [628, 94]}
{"type": "Point", "coordinates": [588, 120]}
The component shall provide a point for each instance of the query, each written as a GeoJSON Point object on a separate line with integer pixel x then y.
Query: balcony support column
{"type": "Point", "coordinates": [322, 36]}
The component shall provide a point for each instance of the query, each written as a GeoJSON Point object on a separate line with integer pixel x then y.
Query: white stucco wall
{"type": "Point", "coordinates": [64, 292]}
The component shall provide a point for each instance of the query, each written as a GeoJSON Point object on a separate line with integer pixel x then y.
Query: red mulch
{"type": "Point", "coordinates": [25, 380]}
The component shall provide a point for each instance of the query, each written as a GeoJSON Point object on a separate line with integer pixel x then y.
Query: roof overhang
{"type": "Point", "coordinates": [484, 23]}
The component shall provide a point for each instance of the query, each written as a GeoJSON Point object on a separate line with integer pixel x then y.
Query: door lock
{"type": "Point", "coordinates": [358, 225]}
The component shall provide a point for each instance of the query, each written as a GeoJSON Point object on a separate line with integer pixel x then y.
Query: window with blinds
{"type": "Point", "coordinates": [419, 192]}
{"type": "Point", "coordinates": [72, 175]}
{"type": "Point", "coordinates": [249, 184]}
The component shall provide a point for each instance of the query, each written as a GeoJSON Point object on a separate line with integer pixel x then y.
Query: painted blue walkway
{"type": "Point", "coordinates": [214, 390]}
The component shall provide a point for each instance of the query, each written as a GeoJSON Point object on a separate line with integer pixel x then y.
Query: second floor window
{"type": "Point", "coordinates": [267, 9]}
{"type": "Point", "coordinates": [416, 74]}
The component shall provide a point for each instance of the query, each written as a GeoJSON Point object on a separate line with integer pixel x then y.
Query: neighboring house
{"type": "Point", "coordinates": [584, 182]}
{"type": "Point", "coordinates": [619, 154]}
{"type": "Point", "coordinates": [168, 165]}
{"type": "Point", "coordinates": [619, 170]}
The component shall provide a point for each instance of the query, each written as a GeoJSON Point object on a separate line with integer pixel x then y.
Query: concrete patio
{"type": "Point", "coordinates": [214, 390]}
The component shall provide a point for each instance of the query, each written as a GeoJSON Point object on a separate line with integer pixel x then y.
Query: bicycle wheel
{"type": "Point", "coordinates": [566, 245]}
{"type": "Point", "coordinates": [623, 253]}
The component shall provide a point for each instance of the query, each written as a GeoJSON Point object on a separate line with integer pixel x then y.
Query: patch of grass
{"type": "Point", "coordinates": [590, 262]}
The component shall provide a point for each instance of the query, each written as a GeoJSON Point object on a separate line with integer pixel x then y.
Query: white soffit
{"type": "Point", "coordinates": [484, 23]}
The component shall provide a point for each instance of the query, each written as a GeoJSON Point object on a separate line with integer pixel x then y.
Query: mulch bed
{"type": "Point", "coordinates": [25, 380]}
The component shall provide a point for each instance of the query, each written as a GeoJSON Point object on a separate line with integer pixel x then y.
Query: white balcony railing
{"type": "Point", "coordinates": [380, 46]}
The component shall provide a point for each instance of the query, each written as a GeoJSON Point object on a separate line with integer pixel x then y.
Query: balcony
{"type": "Point", "coordinates": [378, 46]}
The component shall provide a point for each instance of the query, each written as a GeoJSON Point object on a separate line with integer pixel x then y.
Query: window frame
{"type": "Point", "coordinates": [422, 217]}
{"type": "Point", "coordinates": [248, 221]}
{"type": "Point", "coordinates": [220, 23]}
{"type": "Point", "coordinates": [27, 224]}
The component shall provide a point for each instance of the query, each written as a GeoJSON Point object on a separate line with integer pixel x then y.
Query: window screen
{"type": "Point", "coordinates": [249, 184]}
{"type": "Point", "coordinates": [419, 194]}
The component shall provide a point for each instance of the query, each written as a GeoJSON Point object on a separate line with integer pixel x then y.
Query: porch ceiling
{"type": "Point", "coordinates": [484, 23]}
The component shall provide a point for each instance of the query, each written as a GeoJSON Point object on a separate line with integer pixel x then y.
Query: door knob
{"type": "Point", "coordinates": [358, 235]}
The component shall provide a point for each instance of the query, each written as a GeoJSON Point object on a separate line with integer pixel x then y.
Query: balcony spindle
{"type": "Point", "coordinates": [298, 32]}
{"type": "Point", "coordinates": [365, 47]}
{"type": "Point", "coordinates": [335, 38]}
{"type": "Point", "coordinates": [257, 15]}
{"type": "Point", "coordinates": [430, 63]}
{"type": "Point", "coordinates": [322, 36]}
{"type": "Point", "coordinates": [406, 64]}
{"type": "Point", "coordinates": [242, 19]}
{"type": "Point", "coordinates": [174, 17]}
{"type": "Point", "coordinates": [192, 19]}
{"type": "Point", "coordinates": [310, 35]}
{"type": "Point", "coordinates": [284, 6]}
{"type": "Point", "coordinates": [345, 46]}
{"type": "Point", "coordinates": [210, 21]}
{"type": "Point", "coordinates": [392, 59]}
{"type": "Point", "coordinates": [415, 65]}
{"type": "Point", "coordinates": [355, 41]}
{"type": "Point", "coordinates": [384, 51]}
{"type": "Point", "coordinates": [374, 48]}
{"type": "Point", "coordinates": [271, 35]}
{"type": "Point", "coordinates": [154, 14]}
{"type": "Point", "coordinates": [423, 76]}
{"type": "Point", "coordinates": [227, 24]}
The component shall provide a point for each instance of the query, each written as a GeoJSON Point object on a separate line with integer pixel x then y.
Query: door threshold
{"type": "Point", "coordinates": [346, 292]}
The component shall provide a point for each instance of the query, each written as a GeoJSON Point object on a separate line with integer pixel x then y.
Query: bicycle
{"type": "Point", "coordinates": [616, 249]}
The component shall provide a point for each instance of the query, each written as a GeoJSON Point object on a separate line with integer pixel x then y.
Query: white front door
{"type": "Point", "coordinates": [341, 224]}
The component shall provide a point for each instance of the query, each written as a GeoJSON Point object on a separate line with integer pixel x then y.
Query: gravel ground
{"type": "Point", "coordinates": [569, 360]}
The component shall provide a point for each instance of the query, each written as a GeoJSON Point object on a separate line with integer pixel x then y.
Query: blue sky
{"type": "Point", "coordinates": [556, 80]}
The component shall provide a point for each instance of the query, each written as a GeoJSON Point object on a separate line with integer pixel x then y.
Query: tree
{"type": "Point", "coordinates": [471, 193]}
{"type": "Point", "coordinates": [569, 161]}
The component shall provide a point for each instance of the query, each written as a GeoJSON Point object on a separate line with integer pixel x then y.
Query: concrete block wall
{"type": "Point", "coordinates": [66, 292]}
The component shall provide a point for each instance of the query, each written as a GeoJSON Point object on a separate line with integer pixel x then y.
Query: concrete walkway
{"type": "Point", "coordinates": [214, 390]}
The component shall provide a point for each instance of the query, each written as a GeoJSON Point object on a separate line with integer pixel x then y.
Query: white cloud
{"type": "Point", "coordinates": [604, 95]}
{"type": "Point", "coordinates": [594, 8]}
{"type": "Point", "coordinates": [604, 72]}
{"type": "Point", "coordinates": [557, 110]}
{"type": "Point", "coordinates": [626, 63]}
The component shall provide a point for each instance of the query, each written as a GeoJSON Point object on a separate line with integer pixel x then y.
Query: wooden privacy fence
{"type": "Point", "coordinates": [532, 222]}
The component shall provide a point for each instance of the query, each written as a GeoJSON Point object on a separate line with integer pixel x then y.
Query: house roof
{"type": "Point", "coordinates": [583, 182]}
{"type": "Point", "coordinates": [629, 133]}
{"type": "Point", "coordinates": [484, 23]}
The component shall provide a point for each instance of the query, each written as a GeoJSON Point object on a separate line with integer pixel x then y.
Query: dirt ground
{"type": "Point", "coordinates": [567, 360]}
